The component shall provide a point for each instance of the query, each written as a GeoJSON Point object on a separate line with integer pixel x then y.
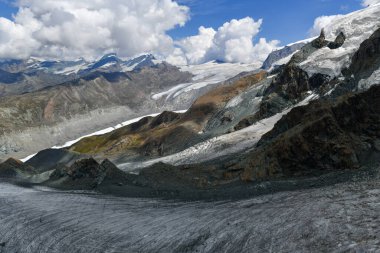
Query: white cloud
{"type": "Point", "coordinates": [88, 28]}
{"type": "Point", "coordinates": [366, 3]}
{"type": "Point", "coordinates": [232, 42]}
{"type": "Point", "coordinates": [323, 22]}
{"type": "Point", "coordinates": [194, 48]}
{"type": "Point", "coordinates": [68, 29]}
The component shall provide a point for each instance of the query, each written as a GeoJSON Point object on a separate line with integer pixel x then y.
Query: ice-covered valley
{"type": "Point", "coordinates": [340, 218]}
{"type": "Point", "coordinates": [206, 74]}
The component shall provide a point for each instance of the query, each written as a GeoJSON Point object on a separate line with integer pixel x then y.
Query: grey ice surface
{"type": "Point", "coordinates": [340, 218]}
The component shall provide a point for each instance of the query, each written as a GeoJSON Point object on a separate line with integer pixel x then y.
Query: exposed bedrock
{"type": "Point", "coordinates": [321, 136]}
{"type": "Point", "coordinates": [12, 168]}
{"type": "Point", "coordinates": [86, 174]}
{"type": "Point", "coordinates": [338, 42]}
{"type": "Point", "coordinates": [290, 86]}
{"type": "Point", "coordinates": [168, 132]}
{"type": "Point", "coordinates": [367, 59]}
{"type": "Point", "coordinates": [311, 140]}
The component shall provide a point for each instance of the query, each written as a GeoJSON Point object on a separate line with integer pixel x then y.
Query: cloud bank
{"type": "Point", "coordinates": [88, 28]}
{"type": "Point", "coordinates": [68, 29]}
{"type": "Point", "coordinates": [232, 42]}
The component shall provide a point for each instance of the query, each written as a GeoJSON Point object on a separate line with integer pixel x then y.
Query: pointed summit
{"type": "Point", "coordinates": [322, 35]}
{"type": "Point", "coordinates": [320, 41]}
{"type": "Point", "coordinates": [339, 41]}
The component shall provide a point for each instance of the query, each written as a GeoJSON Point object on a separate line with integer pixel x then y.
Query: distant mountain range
{"type": "Point", "coordinates": [79, 67]}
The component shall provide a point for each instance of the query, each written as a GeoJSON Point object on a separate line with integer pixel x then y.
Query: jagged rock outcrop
{"type": "Point", "coordinates": [367, 59]}
{"type": "Point", "coordinates": [290, 86]}
{"type": "Point", "coordinates": [316, 45]}
{"type": "Point", "coordinates": [319, 137]}
{"type": "Point", "coordinates": [338, 42]}
{"type": "Point", "coordinates": [281, 54]}
{"type": "Point", "coordinates": [321, 41]}
{"type": "Point", "coordinates": [13, 168]}
{"type": "Point", "coordinates": [87, 174]}
{"type": "Point", "coordinates": [292, 82]}
{"type": "Point", "coordinates": [49, 159]}
{"type": "Point", "coordinates": [365, 63]}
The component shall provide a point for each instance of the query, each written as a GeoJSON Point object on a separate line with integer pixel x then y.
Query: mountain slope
{"type": "Point", "coordinates": [268, 99]}
{"type": "Point", "coordinates": [101, 99]}
{"type": "Point", "coordinates": [281, 56]}
{"type": "Point", "coordinates": [309, 117]}
{"type": "Point", "coordinates": [159, 136]}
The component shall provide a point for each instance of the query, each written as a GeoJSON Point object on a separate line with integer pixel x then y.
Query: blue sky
{"type": "Point", "coordinates": [285, 20]}
{"type": "Point", "coordinates": [6, 9]}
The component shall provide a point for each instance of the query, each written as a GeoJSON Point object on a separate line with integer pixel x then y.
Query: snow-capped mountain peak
{"type": "Point", "coordinates": [357, 27]}
{"type": "Point", "coordinates": [107, 63]}
{"type": "Point", "coordinates": [145, 60]}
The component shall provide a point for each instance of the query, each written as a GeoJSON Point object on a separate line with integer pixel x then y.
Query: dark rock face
{"type": "Point", "coordinates": [12, 168]}
{"type": "Point", "coordinates": [318, 137]}
{"type": "Point", "coordinates": [311, 140]}
{"type": "Point", "coordinates": [86, 168]}
{"type": "Point", "coordinates": [315, 45]}
{"type": "Point", "coordinates": [291, 83]}
{"type": "Point", "coordinates": [168, 143]}
{"type": "Point", "coordinates": [149, 123]}
{"type": "Point", "coordinates": [246, 122]}
{"type": "Point", "coordinates": [281, 54]}
{"type": "Point", "coordinates": [48, 159]}
{"type": "Point", "coordinates": [318, 80]}
{"type": "Point", "coordinates": [164, 118]}
{"type": "Point", "coordinates": [321, 137]}
{"type": "Point", "coordinates": [87, 174]}
{"type": "Point", "coordinates": [364, 63]}
{"type": "Point", "coordinates": [339, 41]}
{"type": "Point", "coordinates": [367, 59]}
{"type": "Point", "coordinates": [289, 87]}
{"type": "Point", "coordinates": [321, 41]}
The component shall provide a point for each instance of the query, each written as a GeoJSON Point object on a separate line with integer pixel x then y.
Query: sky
{"type": "Point", "coordinates": [284, 20]}
{"type": "Point", "coordinates": [179, 31]}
